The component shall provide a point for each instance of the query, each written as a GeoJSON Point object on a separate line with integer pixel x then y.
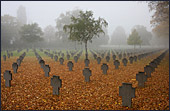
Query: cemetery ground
{"type": "Point", "coordinates": [31, 90]}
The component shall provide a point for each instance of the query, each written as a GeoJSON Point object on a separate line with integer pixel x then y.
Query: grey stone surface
{"type": "Point", "coordinates": [87, 62]}
{"type": "Point", "coordinates": [8, 78]}
{"type": "Point", "coordinates": [75, 59]}
{"type": "Point", "coordinates": [114, 57]}
{"type": "Point", "coordinates": [15, 67]}
{"type": "Point", "coordinates": [127, 92]}
{"type": "Point", "coordinates": [42, 63]}
{"type": "Point", "coordinates": [4, 57]}
{"type": "Point", "coordinates": [148, 70]}
{"type": "Point", "coordinates": [61, 60]}
{"type": "Point", "coordinates": [56, 83]}
{"type": "Point", "coordinates": [87, 73]}
{"type": "Point", "coordinates": [124, 61]}
{"type": "Point", "coordinates": [131, 59]}
{"type": "Point", "coordinates": [18, 62]}
{"type": "Point", "coordinates": [107, 58]}
{"type": "Point", "coordinates": [46, 70]}
{"type": "Point", "coordinates": [104, 67]}
{"type": "Point", "coordinates": [56, 58]}
{"type": "Point", "coordinates": [141, 78]}
{"type": "Point", "coordinates": [135, 58]}
{"type": "Point", "coordinates": [68, 57]}
{"type": "Point", "coordinates": [70, 65]}
{"type": "Point", "coordinates": [116, 63]}
{"type": "Point", "coordinates": [8, 55]}
{"type": "Point", "coordinates": [98, 60]}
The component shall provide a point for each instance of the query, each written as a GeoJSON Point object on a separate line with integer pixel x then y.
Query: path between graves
{"type": "Point", "coordinates": [31, 89]}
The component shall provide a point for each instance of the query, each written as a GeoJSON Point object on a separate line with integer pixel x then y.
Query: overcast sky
{"type": "Point", "coordinates": [116, 13]}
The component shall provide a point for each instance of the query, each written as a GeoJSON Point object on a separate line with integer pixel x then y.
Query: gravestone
{"type": "Point", "coordinates": [18, 62]}
{"type": "Point", "coordinates": [46, 70]}
{"type": "Point", "coordinates": [70, 65]}
{"type": "Point", "coordinates": [98, 60]}
{"type": "Point", "coordinates": [87, 74]}
{"type": "Point", "coordinates": [95, 56]}
{"type": "Point", "coordinates": [86, 61]}
{"type": "Point", "coordinates": [75, 59]}
{"type": "Point", "coordinates": [131, 59]}
{"type": "Point", "coordinates": [42, 63]}
{"type": "Point", "coordinates": [4, 57]}
{"type": "Point", "coordinates": [68, 57]}
{"type": "Point", "coordinates": [11, 54]}
{"type": "Point", "coordinates": [15, 67]}
{"type": "Point", "coordinates": [135, 58]}
{"type": "Point", "coordinates": [116, 63]}
{"type": "Point", "coordinates": [153, 64]}
{"type": "Point", "coordinates": [141, 78]}
{"type": "Point", "coordinates": [8, 55]}
{"type": "Point", "coordinates": [56, 83]}
{"type": "Point", "coordinates": [120, 56]}
{"type": "Point", "coordinates": [51, 55]}
{"type": "Point", "coordinates": [8, 78]}
{"type": "Point", "coordinates": [56, 58]}
{"type": "Point", "coordinates": [107, 58]}
{"type": "Point", "coordinates": [148, 70]}
{"type": "Point", "coordinates": [104, 67]}
{"type": "Point", "coordinates": [127, 92]}
{"type": "Point", "coordinates": [124, 61]}
{"type": "Point", "coordinates": [62, 55]}
{"type": "Point", "coordinates": [114, 57]}
{"type": "Point", "coordinates": [61, 60]}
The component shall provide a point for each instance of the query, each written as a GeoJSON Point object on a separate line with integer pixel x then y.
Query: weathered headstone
{"type": "Point", "coordinates": [87, 74]}
{"type": "Point", "coordinates": [68, 57]}
{"type": "Point", "coordinates": [135, 58]}
{"type": "Point", "coordinates": [42, 63]}
{"type": "Point", "coordinates": [4, 57]}
{"type": "Point", "coordinates": [70, 65]}
{"type": "Point", "coordinates": [116, 63]}
{"type": "Point", "coordinates": [62, 55]}
{"type": "Point", "coordinates": [8, 78]}
{"type": "Point", "coordinates": [104, 67]}
{"type": "Point", "coordinates": [107, 58]}
{"type": "Point", "coordinates": [15, 67]}
{"type": "Point", "coordinates": [56, 58]}
{"type": "Point", "coordinates": [75, 59]}
{"type": "Point", "coordinates": [127, 92]}
{"type": "Point", "coordinates": [86, 61]}
{"type": "Point", "coordinates": [46, 70]}
{"type": "Point", "coordinates": [148, 70]}
{"type": "Point", "coordinates": [11, 54]}
{"type": "Point", "coordinates": [56, 83]}
{"type": "Point", "coordinates": [124, 61]}
{"type": "Point", "coordinates": [61, 60]}
{"type": "Point", "coordinates": [18, 62]}
{"type": "Point", "coordinates": [114, 57]}
{"type": "Point", "coordinates": [141, 78]}
{"type": "Point", "coordinates": [8, 55]}
{"type": "Point", "coordinates": [98, 60]}
{"type": "Point", "coordinates": [131, 59]}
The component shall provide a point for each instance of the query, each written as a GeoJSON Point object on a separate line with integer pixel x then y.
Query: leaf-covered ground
{"type": "Point", "coordinates": [31, 90]}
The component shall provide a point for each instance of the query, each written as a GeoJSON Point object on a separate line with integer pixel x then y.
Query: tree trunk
{"type": "Point", "coordinates": [86, 50]}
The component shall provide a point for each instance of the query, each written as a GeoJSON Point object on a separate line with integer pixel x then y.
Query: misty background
{"type": "Point", "coordinates": [51, 16]}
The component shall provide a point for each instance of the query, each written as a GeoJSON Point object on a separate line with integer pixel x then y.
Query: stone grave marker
{"type": "Point", "coordinates": [56, 58]}
{"type": "Point", "coordinates": [104, 67]}
{"type": "Point", "coordinates": [86, 61]}
{"type": "Point", "coordinates": [56, 83]}
{"type": "Point", "coordinates": [124, 61]}
{"type": "Point", "coordinates": [61, 60]}
{"type": "Point", "coordinates": [141, 78]}
{"type": "Point", "coordinates": [114, 57]}
{"type": "Point", "coordinates": [11, 54]}
{"type": "Point", "coordinates": [75, 59]}
{"type": "Point", "coordinates": [62, 55]}
{"type": "Point", "coordinates": [148, 70]}
{"type": "Point", "coordinates": [46, 70]}
{"type": "Point", "coordinates": [4, 57]}
{"type": "Point", "coordinates": [87, 74]}
{"type": "Point", "coordinates": [135, 58]}
{"type": "Point", "coordinates": [127, 92]}
{"type": "Point", "coordinates": [131, 59]}
{"type": "Point", "coordinates": [116, 63]}
{"type": "Point", "coordinates": [8, 78]}
{"type": "Point", "coordinates": [15, 67]}
{"type": "Point", "coordinates": [8, 55]}
{"type": "Point", "coordinates": [19, 62]}
{"type": "Point", "coordinates": [70, 65]}
{"type": "Point", "coordinates": [42, 63]}
{"type": "Point", "coordinates": [68, 57]}
{"type": "Point", "coordinates": [107, 58]}
{"type": "Point", "coordinates": [98, 60]}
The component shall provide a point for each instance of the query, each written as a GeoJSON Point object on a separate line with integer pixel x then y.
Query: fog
{"type": "Point", "coordinates": [123, 15]}
{"type": "Point", "coordinates": [126, 14]}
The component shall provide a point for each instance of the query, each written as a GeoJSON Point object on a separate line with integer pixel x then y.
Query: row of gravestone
{"type": "Point", "coordinates": [127, 92]}
{"type": "Point", "coordinates": [8, 74]}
